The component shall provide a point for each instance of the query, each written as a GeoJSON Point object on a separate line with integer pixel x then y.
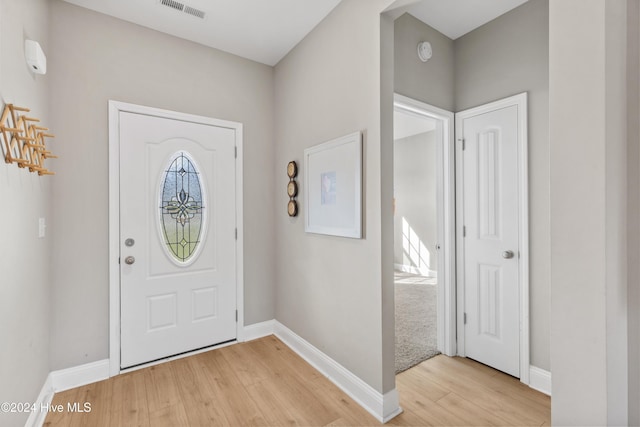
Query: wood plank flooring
{"type": "Point", "coordinates": [264, 383]}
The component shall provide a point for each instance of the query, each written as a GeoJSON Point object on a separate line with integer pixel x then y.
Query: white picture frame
{"type": "Point", "coordinates": [333, 187]}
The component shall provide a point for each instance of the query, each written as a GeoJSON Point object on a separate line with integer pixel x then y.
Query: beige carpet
{"type": "Point", "coordinates": [416, 321]}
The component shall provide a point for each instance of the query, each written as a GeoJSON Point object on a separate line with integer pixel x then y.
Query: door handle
{"type": "Point", "coordinates": [507, 254]}
{"type": "Point", "coordinates": [129, 260]}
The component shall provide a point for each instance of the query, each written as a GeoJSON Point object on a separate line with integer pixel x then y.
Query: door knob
{"type": "Point", "coordinates": [507, 254]}
{"type": "Point", "coordinates": [129, 260]}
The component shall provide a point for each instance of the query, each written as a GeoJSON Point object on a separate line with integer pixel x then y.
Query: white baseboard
{"type": "Point", "coordinates": [37, 417]}
{"type": "Point", "coordinates": [77, 376]}
{"type": "Point", "coordinates": [382, 407]}
{"type": "Point", "coordinates": [414, 270]}
{"type": "Point", "coordinates": [66, 379]}
{"type": "Point", "coordinates": [540, 380]}
{"type": "Point", "coordinates": [258, 330]}
{"type": "Point", "coordinates": [390, 406]}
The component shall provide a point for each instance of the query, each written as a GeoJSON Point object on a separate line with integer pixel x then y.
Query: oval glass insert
{"type": "Point", "coordinates": [182, 216]}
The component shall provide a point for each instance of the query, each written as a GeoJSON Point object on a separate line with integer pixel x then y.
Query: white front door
{"type": "Point", "coordinates": [488, 192]}
{"type": "Point", "coordinates": [177, 236]}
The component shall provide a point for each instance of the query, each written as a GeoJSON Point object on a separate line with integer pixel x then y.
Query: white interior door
{"type": "Point", "coordinates": [177, 236]}
{"type": "Point", "coordinates": [489, 222]}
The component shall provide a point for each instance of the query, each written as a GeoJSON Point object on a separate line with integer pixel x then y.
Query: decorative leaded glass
{"type": "Point", "coordinates": [181, 207]}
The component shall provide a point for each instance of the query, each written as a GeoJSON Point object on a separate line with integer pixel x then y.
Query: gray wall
{"type": "Point", "coordinates": [588, 182]}
{"type": "Point", "coordinates": [414, 181]}
{"type": "Point", "coordinates": [616, 240]}
{"type": "Point", "coordinates": [96, 58]}
{"type": "Point", "coordinates": [432, 82]}
{"type": "Point", "coordinates": [329, 288]}
{"type": "Point", "coordinates": [24, 258]}
{"type": "Point", "coordinates": [510, 55]}
{"type": "Point", "coordinates": [633, 215]}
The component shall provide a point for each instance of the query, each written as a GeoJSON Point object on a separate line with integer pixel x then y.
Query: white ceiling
{"type": "Point", "coordinates": [266, 30]}
{"type": "Point", "coordinates": [455, 18]}
{"type": "Point", "coordinates": [261, 30]}
{"type": "Point", "coordinates": [405, 125]}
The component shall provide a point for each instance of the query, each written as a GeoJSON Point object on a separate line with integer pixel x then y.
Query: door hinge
{"type": "Point", "coordinates": [235, 151]}
{"type": "Point", "coordinates": [463, 143]}
{"type": "Point", "coordinates": [236, 315]}
{"type": "Point", "coordinates": [464, 231]}
{"type": "Point", "coordinates": [118, 260]}
{"type": "Point", "coordinates": [236, 234]}
{"type": "Point", "coordinates": [465, 318]}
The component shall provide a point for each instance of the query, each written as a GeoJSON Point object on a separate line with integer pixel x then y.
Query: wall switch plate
{"type": "Point", "coordinates": [41, 227]}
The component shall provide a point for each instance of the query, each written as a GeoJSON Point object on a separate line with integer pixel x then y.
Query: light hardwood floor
{"type": "Point", "coordinates": [264, 383]}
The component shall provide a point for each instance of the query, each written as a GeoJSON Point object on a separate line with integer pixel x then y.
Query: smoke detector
{"type": "Point", "coordinates": [424, 51]}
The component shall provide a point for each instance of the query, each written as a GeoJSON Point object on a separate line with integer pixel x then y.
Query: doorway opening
{"type": "Point", "coordinates": [423, 232]}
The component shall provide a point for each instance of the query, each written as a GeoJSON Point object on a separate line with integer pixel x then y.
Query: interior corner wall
{"type": "Point", "coordinates": [616, 211]}
{"type": "Point", "coordinates": [94, 58]}
{"type": "Point", "coordinates": [507, 56]}
{"type": "Point", "coordinates": [633, 211]}
{"type": "Point", "coordinates": [387, 96]}
{"type": "Point", "coordinates": [24, 258]}
{"type": "Point", "coordinates": [329, 288]}
{"type": "Point", "coordinates": [431, 82]}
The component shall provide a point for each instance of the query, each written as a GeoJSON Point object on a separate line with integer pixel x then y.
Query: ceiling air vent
{"type": "Point", "coordinates": [174, 4]}
{"type": "Point", "coordinates": [183, 8]}
{"type": "Point", "coordinates": [194, 12]}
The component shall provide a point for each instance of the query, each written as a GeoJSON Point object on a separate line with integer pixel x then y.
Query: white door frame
{"type": "Point", "coordinates": [520, 101]}
{"type": "Point", "coordinates": [115, 107]}
{"type": "Point", "coordinates": [446, 312]}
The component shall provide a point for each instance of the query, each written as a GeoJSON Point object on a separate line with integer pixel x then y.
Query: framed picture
{"type": "Point", "coordinates": [333, 187]}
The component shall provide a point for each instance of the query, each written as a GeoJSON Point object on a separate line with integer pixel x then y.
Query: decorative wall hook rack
{"type": "Point", "coordinates": [25, 140]}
